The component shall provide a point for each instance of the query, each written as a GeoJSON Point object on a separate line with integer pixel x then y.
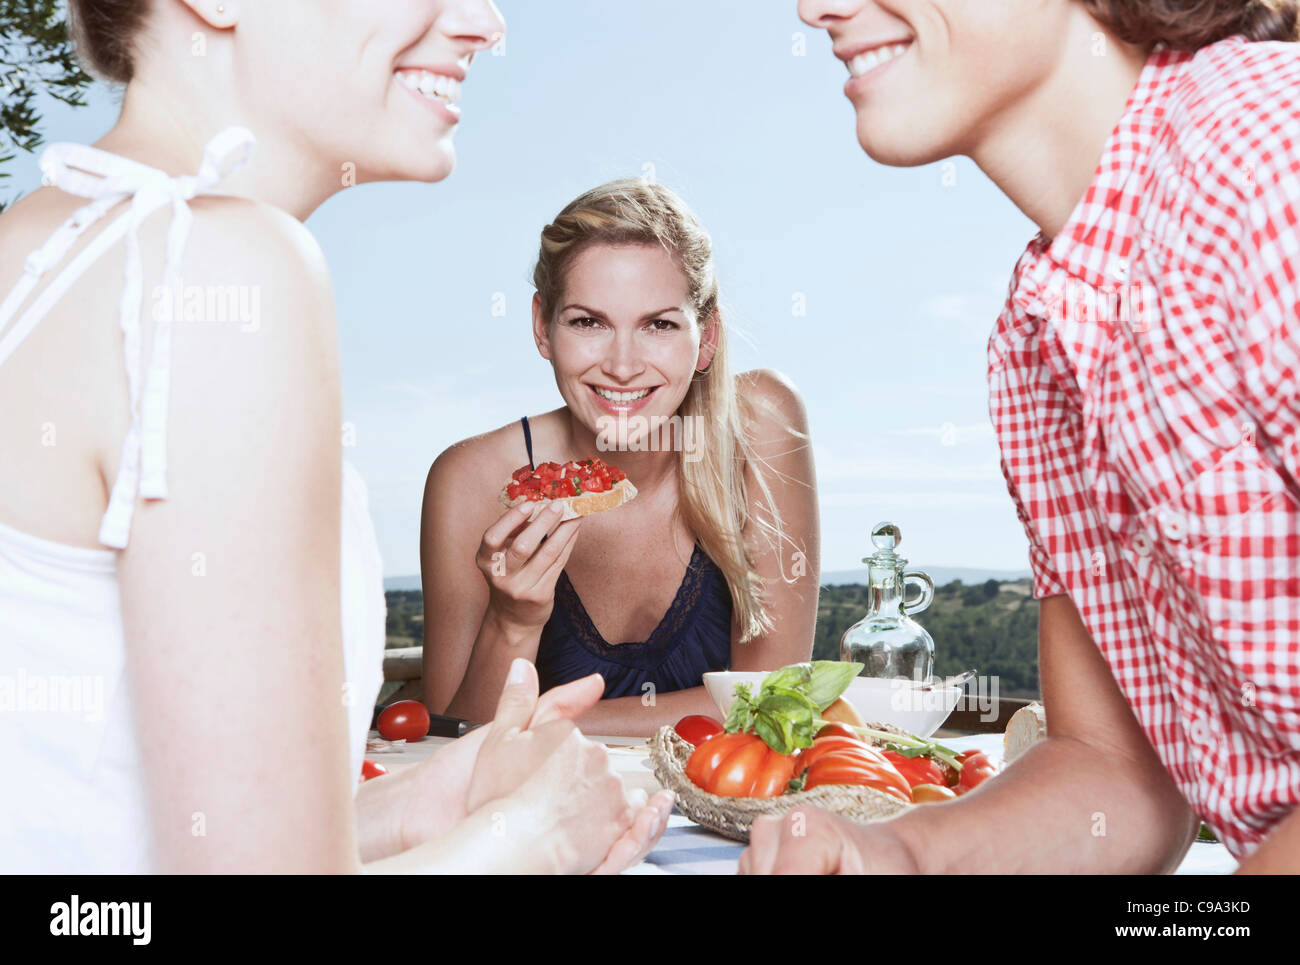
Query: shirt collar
{"type": "Point", "coordinates": [1104, 227]}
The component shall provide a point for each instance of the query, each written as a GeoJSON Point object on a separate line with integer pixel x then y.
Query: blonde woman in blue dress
{"type": "Point", "coordinates": [176, 528]}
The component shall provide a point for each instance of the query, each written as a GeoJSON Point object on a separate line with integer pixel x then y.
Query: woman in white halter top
{"type": "Point", "coordinates": [189, 578]}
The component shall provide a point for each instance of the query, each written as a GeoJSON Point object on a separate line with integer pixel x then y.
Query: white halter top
{"type": "Point", "coordinates": [73, 799]}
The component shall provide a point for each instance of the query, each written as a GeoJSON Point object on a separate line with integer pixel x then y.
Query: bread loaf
{"type": "Point", "coordinates": [1026, 726]}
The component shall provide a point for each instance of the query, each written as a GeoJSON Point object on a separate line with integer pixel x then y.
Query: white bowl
{"type": "Point", "coordinates": [876, 699]}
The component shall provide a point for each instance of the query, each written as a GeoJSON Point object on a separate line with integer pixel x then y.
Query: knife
{"type": "Point", "coordinates": [440, 726]}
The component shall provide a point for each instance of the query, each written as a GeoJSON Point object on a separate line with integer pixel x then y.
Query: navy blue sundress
{"type": "Point", "coordinates": [693, 637]}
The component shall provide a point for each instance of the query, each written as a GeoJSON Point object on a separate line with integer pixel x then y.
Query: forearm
{"type": "Point", "coordinates": [378, 817]}
{"type": "Point", "coordinates": [643, 716]}
{"type": "Point", "coordinates": [499, 838]}
{"type": "Point", "coordinates": [415, 804]}
{"type": "Point", "coordinates": [1065, 807]}
{"type": "Point", "coordinates": [1279, 854]}
{"type": "Point", "coordinates": [495, 647]}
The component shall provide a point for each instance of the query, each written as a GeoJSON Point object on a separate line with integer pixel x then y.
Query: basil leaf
{"type": "Point", "coordinates": [738, 716]}
{"type": "Point", "coordinates": [790, 699]}
{"type": "Point", "coordinates": [829, 679]}
{"type": "Point", "coordinates": [767, 729]}
{"type": "Point", "coordinates": [794, 677]}
{"type": "Point", "coordinates": [794, 716]}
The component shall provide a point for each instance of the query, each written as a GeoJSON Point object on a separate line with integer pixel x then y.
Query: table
{"type": "Point", "coordinates": [688, 849]}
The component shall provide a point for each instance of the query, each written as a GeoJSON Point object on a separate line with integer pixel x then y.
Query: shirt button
{"type": "Point", "coordinates": [1142, 544]}
{"type": "Point", "coordinates": [1119, 270]}
{"type": "Point", "coordinates": [1173, 526]}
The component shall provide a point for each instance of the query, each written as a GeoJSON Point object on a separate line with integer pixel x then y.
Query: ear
{"type": "Point", "coordinates": [220, 14]}
{"type": "Point", "coordinates": [709, 341]}
{"type": "Point", "coordinates": [541, 329]}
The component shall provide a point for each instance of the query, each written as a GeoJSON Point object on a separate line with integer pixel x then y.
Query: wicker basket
{"type": "Point", "coordinates": [731, 816]}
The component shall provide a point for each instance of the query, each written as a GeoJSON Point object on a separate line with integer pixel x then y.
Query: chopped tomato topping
{"type": "Point", "coordinates": [553, 480]}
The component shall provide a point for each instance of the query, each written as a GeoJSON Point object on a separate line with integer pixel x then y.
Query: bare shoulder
{"type": "Point", "coordinates": [485, 461]}
{"type": "Point", "coordinates": [245, 238]}
{"type": "Point", "coordinates": [772, 407]}
{"type": "Point", "coordinates": [258, 281]}
{"type": "Point", "coordinates": [460, 493]}
{"type": "Point", "coordinates": [484, 453]}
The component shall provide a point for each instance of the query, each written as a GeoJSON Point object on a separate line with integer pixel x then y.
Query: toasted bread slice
{"type": "Point", "coordinates": [585, 504]}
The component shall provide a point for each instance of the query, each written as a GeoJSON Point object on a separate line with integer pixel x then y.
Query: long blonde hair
{"type": "Point", "coordinates": [714, 500]}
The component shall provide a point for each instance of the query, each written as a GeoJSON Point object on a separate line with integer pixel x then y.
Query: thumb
{"type": "Point", "coordinates": [569, 701]}
{"type": "Point", "coordinates": [518, 697]}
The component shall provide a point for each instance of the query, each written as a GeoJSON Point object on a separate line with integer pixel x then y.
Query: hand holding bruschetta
{"type": "Point", "coordinates": [522, 558]}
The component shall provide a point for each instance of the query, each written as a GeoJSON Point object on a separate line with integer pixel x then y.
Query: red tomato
{"type": "Point", "coordinates": [740, 765]}
{"type": "Point", "coordinates": [976, 768]}
{"type": "Point", "coordinates": [738, 771]}
{"type": "Point", "coordinates": [552, 480]}
{"type": "Point", "coordinates": [404, 720]}
{"type": "Point", "coordinates": [706, 758]}
{"type": "Point", "coordinates": [697, 728]}
{"type": "Point", "coordinates": [824, 746]}
{"type": "Point", "coordinates": [845, 769]}
{"type": "Point", "coordinates": [370, 769]}
{"type": "Point", "coordinates": [917, 770]}
{"type": "Point", "coordinates": [837, 730]}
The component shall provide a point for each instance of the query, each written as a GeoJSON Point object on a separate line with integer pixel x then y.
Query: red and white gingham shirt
{"type": "Point", "coordinates": [1143, 385]}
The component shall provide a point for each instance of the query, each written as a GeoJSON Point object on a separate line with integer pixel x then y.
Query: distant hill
{"type": "Point", "coordinates": [940, 574]}
{"type": "Point", "coordinates": [991, 627]}
{"type": "Point", "coordinates": [988, 625]}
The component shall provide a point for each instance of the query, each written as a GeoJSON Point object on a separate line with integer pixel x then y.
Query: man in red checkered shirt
{"type": "Point", "coordinates": [1143, 386]}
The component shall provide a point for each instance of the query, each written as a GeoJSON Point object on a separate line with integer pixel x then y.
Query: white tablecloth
{"type": "Point", "coordinates": [688, 849]}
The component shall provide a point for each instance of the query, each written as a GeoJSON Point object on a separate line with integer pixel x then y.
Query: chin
{"type": "Point", "coordinates": [418, 159]}
{"type": "Point", "coordinates": [436, 166]}
{"type": "Point", "coordinates": [901, 151]}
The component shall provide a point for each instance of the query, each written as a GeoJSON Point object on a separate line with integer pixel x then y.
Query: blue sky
{"type": "Point", "coordinates": [737, 106]}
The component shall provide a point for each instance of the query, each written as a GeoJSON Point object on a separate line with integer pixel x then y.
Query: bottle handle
{"type": "Point", "coordinates": [923, 583]}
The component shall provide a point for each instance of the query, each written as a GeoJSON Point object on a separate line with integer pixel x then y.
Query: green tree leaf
{"type": "Point", "coordinates": [35, 57]}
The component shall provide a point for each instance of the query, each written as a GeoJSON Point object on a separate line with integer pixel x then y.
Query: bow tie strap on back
{"type": "Point", "coordinates": [144, 451]}
{"type": "Point", "coordinates": [109, 179]}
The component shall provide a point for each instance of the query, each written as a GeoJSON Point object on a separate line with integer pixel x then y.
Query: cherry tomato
{"type": "Point", "coordinates": [976, 768]}
{"type": "Point", "coordinates": [697, 728]}
{"type": "Point", "coordinates": [404, 720]}
{"type": "Point", "coordinates": [740, 765]}
{"type": "Point", "coordinates": [930, 793]}
{"type": "Point", "coordinates": [370, 769]}
{"type": "Point", "coordinates": [837, 730]}
{"type": "Point", "coordinates": [917, 770]}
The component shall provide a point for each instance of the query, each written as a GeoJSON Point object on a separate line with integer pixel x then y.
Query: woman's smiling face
{"type": "Point", "coordinates": [624, 340]}
{"type": "Point", "coordinates": [929, 78]}
{"type": "Point", "coordinates": [374, 86]}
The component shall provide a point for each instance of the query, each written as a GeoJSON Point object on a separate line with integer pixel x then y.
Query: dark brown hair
{"type": "Point", "coordinates": [103, 34]}
{"type": "Point", "coordinates": [1193, 24]}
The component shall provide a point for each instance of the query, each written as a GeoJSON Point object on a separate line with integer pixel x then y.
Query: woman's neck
{"type": "Point", "coordinates": [1044, 150]}
{"type": "Point", "coordinates": [166, 124]}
